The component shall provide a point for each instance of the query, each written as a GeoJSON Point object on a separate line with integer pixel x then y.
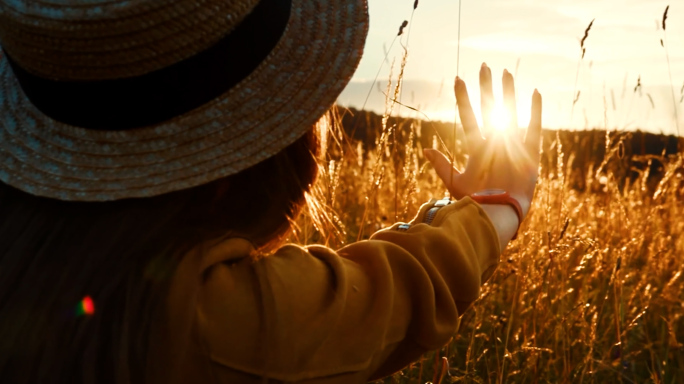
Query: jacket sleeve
{"type": "Point", "coordinates": [365, 310]}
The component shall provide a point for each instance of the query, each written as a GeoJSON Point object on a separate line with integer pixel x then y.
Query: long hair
{"type": "Point", "coordinates": [57, 257]}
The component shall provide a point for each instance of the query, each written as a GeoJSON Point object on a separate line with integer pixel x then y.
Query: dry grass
{"type": "Point", "coordinates": [592, 289]}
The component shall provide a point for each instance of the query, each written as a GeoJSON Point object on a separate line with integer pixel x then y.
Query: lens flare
{"type": "Point", "coordinates": [86, 307]}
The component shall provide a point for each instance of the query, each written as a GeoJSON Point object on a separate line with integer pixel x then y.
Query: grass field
{"type": "Point", "coordinates": [591, 291]}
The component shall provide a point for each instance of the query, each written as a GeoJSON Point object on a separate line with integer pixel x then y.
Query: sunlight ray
{"type": "Point", "coordinates": [500, 119]}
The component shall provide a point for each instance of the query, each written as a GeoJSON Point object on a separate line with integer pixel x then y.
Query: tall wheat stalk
{"type": "Point", "coordinates": [663, 43]}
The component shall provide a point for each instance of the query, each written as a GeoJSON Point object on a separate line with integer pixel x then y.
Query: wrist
{"type": "Point", "coordinates": [504, 220]}
{"type": "Point", "coordinates": [496, 196]}
{"type": "Point", "coordinates": [506, 211]}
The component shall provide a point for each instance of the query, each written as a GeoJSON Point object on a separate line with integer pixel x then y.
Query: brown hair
{"type": "Point", "coordinates": [122, 255]}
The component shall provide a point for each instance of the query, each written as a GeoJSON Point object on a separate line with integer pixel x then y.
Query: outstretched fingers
{"type": "Point", "coordinates": [509, 100]}
{"type": "Point", "coordinates": [535, 127]}
{"type": "Point", "coordinates": [486, 99]}
{"type": "Point", "coordinates": [465, 111]}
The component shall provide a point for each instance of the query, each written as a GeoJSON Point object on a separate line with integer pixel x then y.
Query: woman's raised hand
{"type": "Point", "coordinates": [498, 160]}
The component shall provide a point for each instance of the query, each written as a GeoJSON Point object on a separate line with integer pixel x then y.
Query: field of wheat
{"type": "Point", "coordinates": [590, 292]}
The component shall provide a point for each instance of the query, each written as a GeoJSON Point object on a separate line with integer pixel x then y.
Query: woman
{"type": "Point", "coordinates": [152, 155]}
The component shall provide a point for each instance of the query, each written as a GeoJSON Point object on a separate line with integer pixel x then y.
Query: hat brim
{"type": "Point", "coordinates": [270, 109]}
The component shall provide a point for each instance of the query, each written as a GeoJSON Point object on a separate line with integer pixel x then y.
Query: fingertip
{"type": "Point", "coordinates": [461, 90]}
{"type": "Point", "coordinates": [536, 102]}
{"type": "Point", "coordinates": [508, 81]}
{"type": "Point", "coordinates": [435, 155]}
{"type": "Point", "coordinates": [534, 130]}
{"type": "Point", "coordinates": [536, 113]}
{"type": "Point", "coordinates": [427, 152]}
{"type": "Point", "coordinates": [485, 73]}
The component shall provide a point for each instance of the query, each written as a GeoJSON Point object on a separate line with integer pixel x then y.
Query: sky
{"type": "Point", "coordinates": [539, 42]}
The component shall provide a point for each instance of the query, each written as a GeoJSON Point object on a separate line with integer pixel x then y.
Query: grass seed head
{"type": "Point", "coordinates": [637, 87]}
{"type": "Point", "coordinates": [401, 27]}
{"type": "Point", "coordinates": [586, 34]}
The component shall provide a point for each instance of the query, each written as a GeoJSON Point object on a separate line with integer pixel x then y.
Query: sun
{"type": "Point", "coordinates": [500, 119]}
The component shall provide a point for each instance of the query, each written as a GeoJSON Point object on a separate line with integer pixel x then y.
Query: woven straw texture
{"type": "Point", "coordinates": [89, 40]}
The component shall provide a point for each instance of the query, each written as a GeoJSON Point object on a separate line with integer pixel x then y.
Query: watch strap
{"type": "Point", "coordinates": [502, 198]}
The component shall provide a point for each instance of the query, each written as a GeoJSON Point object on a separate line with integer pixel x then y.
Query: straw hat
{"type": "Point", "coordinates": [111, 99]}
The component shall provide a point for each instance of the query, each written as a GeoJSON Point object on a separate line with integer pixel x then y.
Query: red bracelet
{"type": "Point", "coordinates": [499, 197]}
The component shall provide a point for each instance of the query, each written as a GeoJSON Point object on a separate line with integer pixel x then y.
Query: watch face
{"type": "Point", "coordinates": [490, 192]}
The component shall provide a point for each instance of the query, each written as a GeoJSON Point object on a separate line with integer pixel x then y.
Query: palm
{"type": "Point", "coordinates": [496, 160]}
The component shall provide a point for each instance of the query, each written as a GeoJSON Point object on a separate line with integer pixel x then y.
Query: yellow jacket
{"type": "Point", "coordinates": [315, 315]}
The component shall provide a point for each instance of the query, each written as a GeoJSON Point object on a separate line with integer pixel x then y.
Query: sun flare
{"type": "Point", "coordinates": [500, 119]}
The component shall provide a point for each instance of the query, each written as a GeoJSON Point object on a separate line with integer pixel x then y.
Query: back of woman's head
{"type": "Point", "coordinates": [122, 255]}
